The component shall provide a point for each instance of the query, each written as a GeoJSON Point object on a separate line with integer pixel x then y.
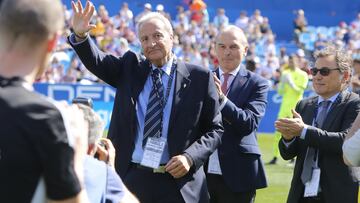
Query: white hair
{"type": "Point", "coordinates": [154, 15]}
{"type": "Point", "coordinates": [96, 125]}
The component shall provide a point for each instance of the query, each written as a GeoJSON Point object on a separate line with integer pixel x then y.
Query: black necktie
{"type": "Point", "coordinates": [153, 124]}
{"type": "Point", "coordinates": [309, 161]}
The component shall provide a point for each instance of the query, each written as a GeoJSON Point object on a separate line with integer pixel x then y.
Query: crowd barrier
{"type": "Point", "coordinates": [103, 97]}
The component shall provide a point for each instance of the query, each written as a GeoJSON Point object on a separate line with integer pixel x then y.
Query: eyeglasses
{"type": "Point", "coordinates": [324, 71]}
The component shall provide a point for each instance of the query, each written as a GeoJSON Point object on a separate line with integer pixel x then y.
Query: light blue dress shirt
{"type": "Point", "coordinates": [141, 107]}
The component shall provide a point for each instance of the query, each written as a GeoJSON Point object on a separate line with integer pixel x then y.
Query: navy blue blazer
{"type": "Point", "coordinates": [239, 153]}
{"type": "Point", "coordinates": [195, 126]}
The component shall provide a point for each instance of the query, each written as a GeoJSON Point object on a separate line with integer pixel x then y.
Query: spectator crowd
{"type": "Point", "coordinates": [194, 36]}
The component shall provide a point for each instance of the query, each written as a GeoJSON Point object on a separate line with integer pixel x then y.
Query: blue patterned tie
{"type": "Point", "coordinates": [310, 153]}
{"type": "Point", "coordinates": [153, 124]}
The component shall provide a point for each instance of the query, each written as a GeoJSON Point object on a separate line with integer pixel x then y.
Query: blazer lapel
{"type": "Point", "coordinates": [335, 108]}
{"type": "Point", "coordinates": [238, 84]}
{"type": "Point", "coordinates": [309, 113]}
{"type": "Point", "coordinates": [139, 78]}
{"type": "Point", "coordinates": [182, 83]}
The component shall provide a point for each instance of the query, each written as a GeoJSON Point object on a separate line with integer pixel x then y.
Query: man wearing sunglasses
{"type": "Point", "coordinates": [316, 132]}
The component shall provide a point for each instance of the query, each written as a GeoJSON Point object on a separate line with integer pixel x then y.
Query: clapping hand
{"type": "Point", "coordinates": [290, 127]}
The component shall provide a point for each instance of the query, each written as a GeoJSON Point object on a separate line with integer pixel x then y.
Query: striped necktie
{"type": "Point", "coordinates": [153, 118]}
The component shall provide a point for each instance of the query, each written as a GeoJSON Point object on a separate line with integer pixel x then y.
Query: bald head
{"type": "Point", "coordinates": [231, 47]}
{"type": "Point", "coordinates": [35, 19]}
{"type": "Point", "coordinates": [233, 31]}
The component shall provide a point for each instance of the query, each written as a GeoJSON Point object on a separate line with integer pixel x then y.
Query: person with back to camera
{"type": "Point", "coordinates": [35, 138]}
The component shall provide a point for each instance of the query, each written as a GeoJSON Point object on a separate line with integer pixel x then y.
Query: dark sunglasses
{"type": "Point", "coordinates": [324, 71]}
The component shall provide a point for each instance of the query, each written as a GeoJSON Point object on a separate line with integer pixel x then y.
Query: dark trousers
{"type": "Point", "coordinates": [318, 199]}
{"type": "Point", "coordinates": [221, 193]}
{"type": "Point", "coordinates": [150, 187]}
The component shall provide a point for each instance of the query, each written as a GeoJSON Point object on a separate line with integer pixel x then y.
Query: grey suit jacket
{"type": "Point", "coordinates": [336, 181]}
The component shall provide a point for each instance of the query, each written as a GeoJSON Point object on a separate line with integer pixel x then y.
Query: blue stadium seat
{"type": "Point", "coordinates": [309, 46]}
{"type": "Point", "coordinates": [311, 29]}
{"type": "Point", "coordinates": [259, 50]}
{"type": "Point", "coordinates": [305, 37]}
{"type": "Point", "coordinates": [322, 29]}
{"type": "Point", "coordinates": [332, 31]}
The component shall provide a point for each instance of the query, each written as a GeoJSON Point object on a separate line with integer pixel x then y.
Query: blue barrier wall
{"type": "Point", "coordinates": [280, 12]}
{"type": "Point", "coordinates": [103, 97]}
{"type": "Point", "coordinates": [272, 109]}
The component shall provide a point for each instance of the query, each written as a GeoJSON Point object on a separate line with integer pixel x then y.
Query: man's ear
{"type": "Point", "coordinates": [52, 43]}
{"type": "Point", "coordinates": [246, 50]}
{"type": "Point", "coordinates": [345, 77]}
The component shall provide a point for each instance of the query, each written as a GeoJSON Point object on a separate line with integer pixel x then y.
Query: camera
{"type": "Point", "coordinates": [102, 143]}
{"type": "Point", "coordinates": [82, 100]}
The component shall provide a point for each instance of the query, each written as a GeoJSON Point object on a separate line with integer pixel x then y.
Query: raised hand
{"type": "Point", "coordinates": [81, 18]}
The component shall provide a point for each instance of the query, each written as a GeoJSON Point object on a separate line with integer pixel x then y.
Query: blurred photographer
{"type": "Point", "coordinates": [102, 183]}
{"type": "Point", "coordinates": [34, 147]}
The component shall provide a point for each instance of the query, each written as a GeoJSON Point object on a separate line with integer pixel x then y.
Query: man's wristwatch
{"type": "Point", "coordinates": [83, 36]}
